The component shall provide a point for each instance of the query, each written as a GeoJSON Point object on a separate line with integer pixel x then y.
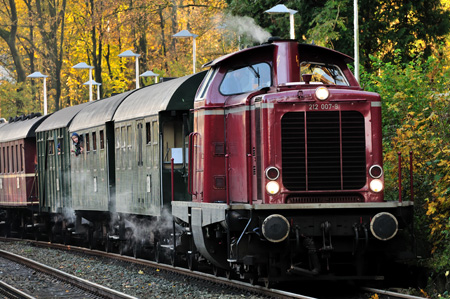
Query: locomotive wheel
{"type": "Point", "coordinates": [252, 275]}
{"type": "Point", "coordinates": [51, 238]}
{"type": "Point", "coordinates": [173, 258]}
{"type": "Point", "coordinates": [36, 234]}
{"type": "Point", "coordinates": [228, 274]}
{"type": "Point", "coordinates": [122, 246]}
{"type": "Point", "coordinates": [157, 252]}
{"type": "Point", "coordinates": [191, 261]}
{"type": "Point", "coordinates": [217, 271]}
{"type": "Point", "coordinates": [108, 245]}
{"type": "Point", "coordinates": [91, 239]}
{"type": "Point", "coordinates": [253, 280]}
{"type": "Point", "coordinates": [136, 249]}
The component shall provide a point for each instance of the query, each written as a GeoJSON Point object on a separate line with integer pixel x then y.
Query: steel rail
{"type": "Point", "coordinates": [71, 279]}
{"type": "Point", "coordinates": [9, 291]}
{"type": "Point", "coordinates": [390, 293]}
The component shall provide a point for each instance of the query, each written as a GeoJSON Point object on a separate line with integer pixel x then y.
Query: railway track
{"type": "Point", "coordinates": [8, 291]}
{"type": "Point", "coordinates": [193, 275]}
{"type": "Point", "coordinates": [74, 287]}
{"type": "Point", "coordinates": [211, 278]}
{"type": "Point", "coordinates": [390, 294]}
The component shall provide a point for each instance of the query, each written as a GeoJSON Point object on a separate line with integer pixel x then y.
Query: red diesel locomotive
{"type": "Point", "coordinates": [286, 169]}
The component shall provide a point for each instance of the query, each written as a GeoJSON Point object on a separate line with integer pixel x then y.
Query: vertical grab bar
{"type": "Point", "coordinates": [191, 163]}
{"type": "Point", "coordinates": [399, 177]}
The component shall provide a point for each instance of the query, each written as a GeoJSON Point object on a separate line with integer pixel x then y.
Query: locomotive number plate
{"type": "Point", "coordinates": [323, 106]}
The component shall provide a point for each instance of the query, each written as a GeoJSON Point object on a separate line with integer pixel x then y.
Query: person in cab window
{"type": "Point", "coordinates": [77, 143]}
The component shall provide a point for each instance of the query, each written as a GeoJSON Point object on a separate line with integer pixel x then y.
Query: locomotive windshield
{"type": "Point", "coordinates": [323, 73]}
{"type": "Point", "coordinates": [246, 79]}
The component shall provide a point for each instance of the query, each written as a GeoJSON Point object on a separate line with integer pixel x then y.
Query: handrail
{"type": "Point", "coordinates": [171, 177]}
{"type": "Point", "coordinates": [227, 177]}
{"type": "Point", "coordinates": [191, 163]}
{"type": "Point", "coordinates": [411, 178]}
{"type": "Point", "coordinates": [249, 179]}
{"type": "Point", "coordinates": [399, 177]}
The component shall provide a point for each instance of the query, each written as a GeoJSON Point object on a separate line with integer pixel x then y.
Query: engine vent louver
{"type": "Point", "coordinates": [323, 150]}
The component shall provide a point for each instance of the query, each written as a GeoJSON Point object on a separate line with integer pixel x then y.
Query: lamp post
{"type": "Point", "coordinates": [129, 53]}
{"type": "Point", "coordinates": [83, 65]}
{"type": "Point", "coordinates": [186, 33]}
{"type": "Point", "coordinates": [39, 75]}
{"type": "Point", "coordinates": [356, 37]}
{"type": "Point", "coordinates": [281, 8]}
{"type": "Point", "coordinates": [93, 82]}
{"type": "Point", "coordinates": [150, 74]}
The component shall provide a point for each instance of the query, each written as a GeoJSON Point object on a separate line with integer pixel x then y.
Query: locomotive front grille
{"type": "Point", "coordinates": [323, 150]}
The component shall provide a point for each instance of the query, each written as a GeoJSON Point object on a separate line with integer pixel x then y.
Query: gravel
{"type": "Point", "coordinates": [134, 280]}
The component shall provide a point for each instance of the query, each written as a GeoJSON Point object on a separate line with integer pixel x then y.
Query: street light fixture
{"type": "Point", "coordinates": [150, 74]}
{"type": "Point", "coordinates": [129, 53]}
{"type": "Point", "coordinates": [186, 33]}
{"type": "Point", "coordinates": [83, 65]}
{"type": "Point", "coordinates": [93, 82]}
{"type": "Point", "coordinates": [39, 75]}
{"type": "Point", "coordinates": [281, 8]}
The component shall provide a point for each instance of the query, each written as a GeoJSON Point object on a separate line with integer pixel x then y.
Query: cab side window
{"type": "Point", "coordinates": [246, 79]}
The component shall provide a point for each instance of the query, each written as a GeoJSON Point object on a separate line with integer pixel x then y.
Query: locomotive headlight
{"type": "Point", "coordinates": [376, 185]}
{"type": "Point", "coordinates": [322, 93]}
{"type": "Point", "coordinates": [272, 187]}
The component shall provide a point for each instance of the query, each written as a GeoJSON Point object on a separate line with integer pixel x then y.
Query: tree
{"type": "Point", "coordinates": [10, 21]}
{"type": "Point", "coordinates": [410, 25]}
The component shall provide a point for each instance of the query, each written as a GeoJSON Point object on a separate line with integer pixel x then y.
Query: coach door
{"type": "Point", "coordinates": [174, 148]}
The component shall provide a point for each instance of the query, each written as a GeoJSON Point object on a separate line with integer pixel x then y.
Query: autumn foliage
{"type": "Point", "coordinates": [416, 108]}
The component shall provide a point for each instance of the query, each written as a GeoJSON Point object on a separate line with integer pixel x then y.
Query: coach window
{"type": "Point", "coordinates": [94, 141]}
{"type": "Point", "coordinates": [59, 146]}
{"type": "Point", "coordinates": [148, 133]}
{"type": "Point", "coordinates": [124, 147]}
{"type": "Point", "coordinates": [88, 142]}
{"type": "Point", "coordinates": [246, 79]}
{"type": "Point", "coordinates": [118, 156]}
{"type": "Point", "coordinates": [51, 147]}
{"type": "Point", "coordinates": [140, 158]}
{"type": "Point", "coordinates": [130, 147]}
{"type": "Point", "coordinates": [7, 159]}
{"type": "Point", "coordinates": [102, 140]}
{"type": "Point", "coordinates": [17, 158]}
{"type": "Point", "coordinates": [21, 158]}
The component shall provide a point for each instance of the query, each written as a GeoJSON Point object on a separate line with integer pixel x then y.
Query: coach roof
{"type": "Point", "coordinates": [176, 94]}
{"type": "Point", "coordinates": [61, 118]}
{"type": "Point", "coordinates": [20, 129]}
{"type": "Point", "coordinates": [98, 112]}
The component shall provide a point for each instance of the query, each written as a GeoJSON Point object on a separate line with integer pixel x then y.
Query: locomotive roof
{"type": "Point", "coordinates": [317, 50]}
{"type": "Point", "coordinates": [61, 118]}
{"type": "Point", "coordinates": [20, 129]}
{"type": "Point", "coordinates": [98, 112]}
{"type": "Point", "coordinates": [176, 94]}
